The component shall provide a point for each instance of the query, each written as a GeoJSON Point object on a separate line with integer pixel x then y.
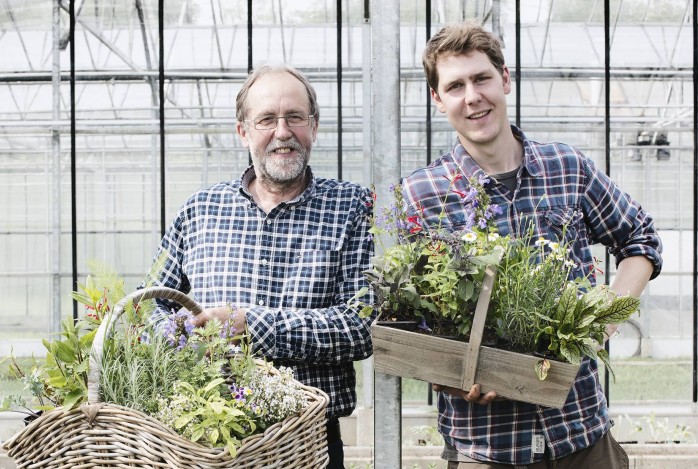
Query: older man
{"type": "Point", "coordinates": [283, 247]}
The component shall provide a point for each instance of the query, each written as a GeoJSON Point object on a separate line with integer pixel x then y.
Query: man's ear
{"type": "Point", "coordinates": [241, 129]}
{"type": "Point", "coordinates": [437, 100]}
{"type": "Point", "coordinates": [506, 80]}
{"type": "Point", "coordinates": [315, 125]}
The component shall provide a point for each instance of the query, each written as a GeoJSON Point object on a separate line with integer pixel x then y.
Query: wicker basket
{"type": "Point", "coordinates": [101, 435]}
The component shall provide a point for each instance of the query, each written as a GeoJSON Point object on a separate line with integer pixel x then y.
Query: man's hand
{"type": "Point", "coordinates": [223, 314]}
{"type": "Point", "coordinates": [474, 395]}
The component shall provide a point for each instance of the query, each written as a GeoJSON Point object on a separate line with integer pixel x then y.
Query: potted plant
{"type": "Point", "coordinates": [511, 293]}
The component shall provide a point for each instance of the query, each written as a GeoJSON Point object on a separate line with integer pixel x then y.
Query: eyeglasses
{"type": "Point", "coordinates": [271, 122]}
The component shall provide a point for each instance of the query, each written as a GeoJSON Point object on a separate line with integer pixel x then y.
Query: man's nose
{"type": "Point", "coordinates": [282, 128]}
{"type": "Point", "coordinates": [471, 95]}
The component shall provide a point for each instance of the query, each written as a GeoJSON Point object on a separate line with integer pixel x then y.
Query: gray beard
{"type": "Point", "coordinates": [279, 171]}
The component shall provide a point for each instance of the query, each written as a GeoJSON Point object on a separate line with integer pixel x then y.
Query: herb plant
{"type": "Point", "coordinates": [194, 380]}
{"type": "Point", "coordinates": [433, 274]}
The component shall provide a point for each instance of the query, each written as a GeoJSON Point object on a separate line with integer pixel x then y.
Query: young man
{"type": "Point", "coordinates": [285, 249]}
{"type": "Point", "coordinates": [553, 186]}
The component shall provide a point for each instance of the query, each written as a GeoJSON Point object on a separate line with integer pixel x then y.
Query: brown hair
{"type": "Point", "coordinates": [241, 100]}
{"type": "Point", "coordinates": [457, 39]}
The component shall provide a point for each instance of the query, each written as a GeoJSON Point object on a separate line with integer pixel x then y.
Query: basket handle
{"type": "Point", "coordinates": [104, 329]}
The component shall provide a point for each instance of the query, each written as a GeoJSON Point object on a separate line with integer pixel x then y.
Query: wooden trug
{"type": "Point", "coordinates": [461, 364]}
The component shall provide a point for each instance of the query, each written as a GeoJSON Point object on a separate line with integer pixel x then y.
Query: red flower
{"type": "Point", "coordinates": [417, 224]}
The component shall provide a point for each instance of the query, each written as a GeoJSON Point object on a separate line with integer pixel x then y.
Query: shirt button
{"type": "Point", "coordinates": [268, 222]}
{"type": "Point", "coordinates": [260, 302]}
{"type": "Point", "coordinates": [264, 262]}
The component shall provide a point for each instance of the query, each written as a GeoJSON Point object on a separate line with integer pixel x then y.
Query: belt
{"type": "Point", "coordinates": [333, 431]}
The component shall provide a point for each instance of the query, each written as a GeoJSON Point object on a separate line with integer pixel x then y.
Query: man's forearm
{"type": "Point", "coordinates": [632, 276]}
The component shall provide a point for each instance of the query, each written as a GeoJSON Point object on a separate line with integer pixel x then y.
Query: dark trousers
{"type": "Point", "coordinates": [335, 447]}
{"type": "Point", "coordinates": [605, 454]}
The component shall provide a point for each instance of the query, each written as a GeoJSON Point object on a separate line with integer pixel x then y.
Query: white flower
{"type": "Point", "coordinates": [554, 246]}
{"type": "Point", "coordinates": [493, 236]}
{"type": "Point", "coordinates": [469, 237]}
{"type": "Point", "coordinates": [541, 242]}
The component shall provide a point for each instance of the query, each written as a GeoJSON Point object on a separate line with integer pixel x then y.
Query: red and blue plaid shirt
{"type": "Point", "coordinates": [294, 270]}
{"type": "Point", "coordinates": [556, 187]}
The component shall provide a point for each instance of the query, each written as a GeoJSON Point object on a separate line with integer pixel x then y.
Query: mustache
{"type": "Point", "coordinates": [291, 143]}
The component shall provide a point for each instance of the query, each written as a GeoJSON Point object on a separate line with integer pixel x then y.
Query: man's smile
{"type": "Point", "coordinates": [478, 115]}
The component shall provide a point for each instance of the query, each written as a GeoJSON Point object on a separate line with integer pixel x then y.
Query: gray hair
{"type": "Point", "coordinates": [241, 100]}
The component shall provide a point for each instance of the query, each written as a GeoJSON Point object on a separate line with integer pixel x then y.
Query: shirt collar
{"type": "Point", "coordinates": [470, 168]}
{"type": "Point", "coordinates": [250, 174]}
{"type": "Point", "coordinates": [531, 160]}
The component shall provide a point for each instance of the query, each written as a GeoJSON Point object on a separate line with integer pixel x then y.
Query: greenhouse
{"type": "Point", "coordinates": [112, 113]}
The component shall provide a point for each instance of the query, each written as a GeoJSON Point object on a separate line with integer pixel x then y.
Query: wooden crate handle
{"type": "Point", "coordinates": [473, 351]}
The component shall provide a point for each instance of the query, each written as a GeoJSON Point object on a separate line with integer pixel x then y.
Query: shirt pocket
{"type": "Point", "coordinates": [566, 226]}
{"type": "Point", "coordinates": [312, 278]}
{"type": "Point", "coordinates": [563, 223]}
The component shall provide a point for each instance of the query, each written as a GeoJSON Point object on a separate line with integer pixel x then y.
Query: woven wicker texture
{"type": "Point", "coordinates": [100, 435]}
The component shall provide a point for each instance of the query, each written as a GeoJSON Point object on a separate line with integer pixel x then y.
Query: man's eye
{"type": "Point", "coordinates": [295, 118]}
{"type": "Point", "coordinates": [266, 120]}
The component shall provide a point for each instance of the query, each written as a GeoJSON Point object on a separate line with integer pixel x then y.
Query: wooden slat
{"type": "Point", "coordinates": [438, 360]}
{"type": "Point", "coordinates": [471, 359]}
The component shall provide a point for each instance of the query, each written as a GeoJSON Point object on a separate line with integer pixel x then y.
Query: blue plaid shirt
{"type": "Point", "coordinates": [556, 186]}
{"type": "Point", "coordinates": [294, 269]}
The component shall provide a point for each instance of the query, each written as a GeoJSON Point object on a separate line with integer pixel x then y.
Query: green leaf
{"type": "Point", "coordinates": [620, 310]}
{"type": "Point", "coordinates": [232, 449]}
{"type": "Point", "coordinates": [236, 427]}
{"type": "Point", "coordinates": [542, 368]}
{"type": "Point", "coordinates": [64, 352]}
{"type": "Point", "coordinates": [72, 399]}
{"type": "Point", "coordinates": [218, 406]}
{"type": "Point", "coordinates": [567, 302]}
{"type": "Point", "coordinates": [571, 353]}
{"type": "Point", "coordinates": [57, 381]}
{"type": "Point", "coordinates": [365, 312]}
{"type": "Point", "coordinates": [586, 320]}
{"type": "Point", "coordinates": [603, 356]}
{"type": "Point", "coordinates": [213, 436]}
{"type": "Point", "coordinates": [214, 384]}
{"type": "Point", "coordinates": [587, 351]}
{"type": "Point", "coordinates": [81, 298]}
{"type": "Point", "coordinates": [184, 420]}
{"type": "Point", "coordinates": [198, 433]}
{"type": "Point", "coordinates": [87, 339]}
{"type": "Point", "coordinates": [82, 367]}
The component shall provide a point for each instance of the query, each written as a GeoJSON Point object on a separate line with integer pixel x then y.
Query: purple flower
{"type": "Point", "coordinates": [239, 393]}
{"type": "Point", "coordinates": [228, 330]}
{"type": "Point", "coordinates": [423, 325]}
{"type": "Point", "coordinates": [178, 328]}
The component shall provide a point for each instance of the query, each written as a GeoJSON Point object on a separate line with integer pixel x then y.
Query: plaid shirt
{"type": "Point", "coordinates": [556, 186]}
{"type": "Point", "coordinates": [293, 269]}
